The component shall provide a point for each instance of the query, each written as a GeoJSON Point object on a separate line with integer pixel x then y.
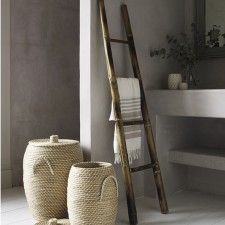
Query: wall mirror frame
{"type": "Point", "coordinates": [203, 51]}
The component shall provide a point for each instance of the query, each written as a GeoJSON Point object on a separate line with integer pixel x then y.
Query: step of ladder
{"type": "Point", "coordinates": [118, 41]}
{"type": "Point", "coordinates": [141, 168]}
{"type": "Point", "coordinates": [133, 122]}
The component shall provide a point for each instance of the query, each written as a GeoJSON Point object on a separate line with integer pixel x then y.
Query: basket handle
{"type": "Point", "coordinates": [41, 160]}
{"type": "Point", "coordinates": [104, 186]}
{"type": "Point", "coordinates": [52, 221]}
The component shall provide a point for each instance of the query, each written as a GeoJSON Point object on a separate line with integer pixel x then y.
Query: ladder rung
{"type": "Point", "coordinates": [140, 168]}
{"type": "Point", "coordinates": [133, 122]}
{"type": "Point", "coordinates": [118, 41]}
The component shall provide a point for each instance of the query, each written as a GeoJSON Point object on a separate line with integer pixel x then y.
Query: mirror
{"type": "Point", "coordinates": [215, 23]}
{"type": "Point", "coordinates": [210, 28]}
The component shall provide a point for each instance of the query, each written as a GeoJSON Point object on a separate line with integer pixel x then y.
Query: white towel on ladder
{"type": "Point", "coordinates": [130, 103]}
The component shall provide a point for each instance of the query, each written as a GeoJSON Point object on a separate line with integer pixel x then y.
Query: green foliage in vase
{"type": "Point", "coordinates": [181, 49]}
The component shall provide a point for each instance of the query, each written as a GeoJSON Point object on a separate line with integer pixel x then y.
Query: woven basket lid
{"type": "Point", "coordinates": [52, 141]}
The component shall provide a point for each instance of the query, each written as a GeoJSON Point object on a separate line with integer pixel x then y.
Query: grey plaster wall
{"type": "Point", "coordinates": [209, 133]}
{"type": "Point", "coordinates": [5, 95]}
{"type": "Point", "coordinates": [211, 74]}
{"type": "Point", "coordinates": [44, 73]}
{"type": "Point", "coordinates": [187, 125]}
{"type": "Point", "coordinates": [175, 133]}
{"type": "Point", "coordinates": [151, 21]}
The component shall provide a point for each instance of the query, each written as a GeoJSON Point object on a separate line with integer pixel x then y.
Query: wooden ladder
{"type": "Point", "coordinates": [127, 170]}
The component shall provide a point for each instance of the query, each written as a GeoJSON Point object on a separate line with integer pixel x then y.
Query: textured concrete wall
{"type": "Point", "coordinates": [44, 73]}
{"type": "Point", "coordinates": [5, 95]}
{"type": "Point", "coordinates": [175, 133]}
{"type": "Point", "coordinates": [211, 74]}
{"type": "Point", "coordinates": [151, 21]}
{"type": "Point", "coordinates": [209, 133]}
{"type": "Point", "coordinates": [193, 118]}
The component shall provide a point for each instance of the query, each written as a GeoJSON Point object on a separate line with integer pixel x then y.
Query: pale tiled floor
{"type": "Point", "coordinates": [186, 208]}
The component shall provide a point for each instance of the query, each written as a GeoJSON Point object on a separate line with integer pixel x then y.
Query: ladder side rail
{"type": "Point", "coordinates": [148, 129]}
{"type": "Point", "coordinates": [137, 74]}
{"type": "Point", "coordinates": [119, 122]}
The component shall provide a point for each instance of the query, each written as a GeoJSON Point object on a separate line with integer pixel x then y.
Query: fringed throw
{"type": "Point", "coordinates": [130, 103]}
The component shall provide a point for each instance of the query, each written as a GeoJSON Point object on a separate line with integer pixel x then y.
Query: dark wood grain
{"type": "Point", "coordinates": [119, 120]}
{"type": "Point", "coordinates": [119, 41]}
{"type": "Point", "coordinates": [119, 123]}
{"type": "Point", "coordinates": [133, 122]}
{"type": "Point", "coordinates": [141, 168]}
{"type": "Point", "coordinates": [148, 129]}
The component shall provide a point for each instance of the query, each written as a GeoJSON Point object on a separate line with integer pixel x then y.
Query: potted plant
{"type": "Point", "coordinates": [181, 49]}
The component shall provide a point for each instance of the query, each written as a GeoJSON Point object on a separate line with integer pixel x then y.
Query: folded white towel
{"type": "Point", "coordinates": [130, 103]}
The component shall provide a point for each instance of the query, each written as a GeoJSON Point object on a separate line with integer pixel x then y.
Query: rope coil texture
{"type": "Point", "coordinates": [46, 168]}
{"type": "Point", "coordinates": [92, 194]}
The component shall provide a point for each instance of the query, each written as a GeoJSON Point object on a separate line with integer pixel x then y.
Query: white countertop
{"type": "Point", "coordinates": [193, 103]}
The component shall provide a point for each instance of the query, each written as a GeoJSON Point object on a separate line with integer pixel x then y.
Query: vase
{"type": "Point", "coordinates": [92, 194]}
{"type": "Point", "coordinates": [46, 167]}
{"type": "Point", "coordinates": [174, 79]}
{"type": "Point", "coordinates": [183, 86]}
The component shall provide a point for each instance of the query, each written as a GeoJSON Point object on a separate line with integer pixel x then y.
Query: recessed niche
{"type": "Point", "coordinates": [210, 158]}
{"type": "Point", "coordinates": [191, 142]}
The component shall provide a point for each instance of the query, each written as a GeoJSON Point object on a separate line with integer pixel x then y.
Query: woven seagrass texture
{"type": "Point", "coordinates": [46, 170]}
{"type": "Point", "coordinates": [92, 194]}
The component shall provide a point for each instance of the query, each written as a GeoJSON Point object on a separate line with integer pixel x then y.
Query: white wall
{"type": "Point", "coordinates": [5, 94]}
{"type": "Point", "coordinates": [85, 77]}
{"type": "Point", "coordinates": [151, 21]}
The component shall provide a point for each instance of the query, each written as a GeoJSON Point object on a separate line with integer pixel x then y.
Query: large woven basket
{"type": "Point", "coordinates": [46, 167]}
{"type": "Point", "coordinates": [92, 194]}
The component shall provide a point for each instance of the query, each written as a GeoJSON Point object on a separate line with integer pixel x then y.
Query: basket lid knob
{"type": "Point", "coordinates": [52, 221]}
{"type": "Point", "coordinates": [54, 139]}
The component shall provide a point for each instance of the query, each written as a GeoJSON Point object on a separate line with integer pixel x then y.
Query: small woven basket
{"type": "Point", "coordinates": [46, 167]}
{"type": "Point", "coordinates": [92, 194]}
